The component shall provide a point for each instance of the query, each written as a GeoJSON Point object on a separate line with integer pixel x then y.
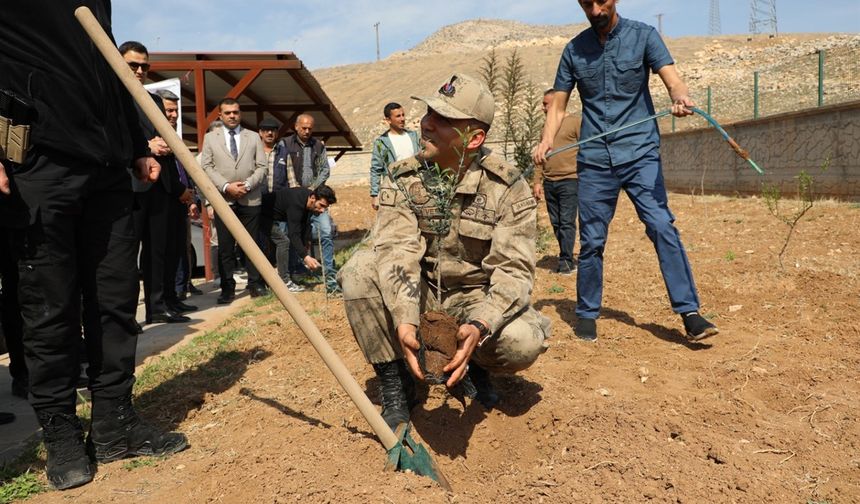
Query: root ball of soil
{"type": "Point", "coordinates": [438, 334]}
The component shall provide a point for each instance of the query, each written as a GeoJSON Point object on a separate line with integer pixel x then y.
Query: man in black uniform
{"type": "Point", "coordinates": [70, 205]}
{"type": "Point", "coordinates": [156, 211]}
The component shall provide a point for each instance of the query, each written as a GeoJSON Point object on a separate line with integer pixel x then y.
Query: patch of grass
{"type": "Point", "coordinates": [246, 311]}
{"type": "Point", "coordinates": [730, 256]}
{"type": "Point", "coordinates": [263, 301]}
{"type": "Point", "coordinates": [200, 349]}
{"type": "Point", "coordinates": [18, 479]}
{"type": "Point", "coordinates": [138, 462]}
{"type": "Point", "coordinates": [555, 289]}
{"type": "Point", "coordinates": [544, 238]}
{"type": "Point", "coordinates": [21, 487]}
{"type": "Point", "coordinates": [84, 408]}
{"type": "Point", "coordinates": [343, 255]}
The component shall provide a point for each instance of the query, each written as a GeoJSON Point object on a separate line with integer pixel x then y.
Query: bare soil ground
{"type": "Point", "coordinates": [761, 413]}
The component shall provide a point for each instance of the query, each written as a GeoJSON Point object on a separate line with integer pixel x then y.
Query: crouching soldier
{"type": "Point", "coordinates": [485, 256]}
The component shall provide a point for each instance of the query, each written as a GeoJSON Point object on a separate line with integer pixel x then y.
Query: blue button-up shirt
{"type": "Point", "coordinates": [613, 86]}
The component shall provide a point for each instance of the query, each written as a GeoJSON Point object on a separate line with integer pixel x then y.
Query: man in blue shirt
{"type": "Point", "coordinates": [609, 63]}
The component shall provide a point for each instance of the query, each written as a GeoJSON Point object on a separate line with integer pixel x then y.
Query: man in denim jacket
{"type": "Point", "coordinates": [394, 145]}
{"type": "Point", "coordinates": [610, 64]}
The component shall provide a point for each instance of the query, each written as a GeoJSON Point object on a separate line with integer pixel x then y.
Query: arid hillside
{"type": "Point", "coordinates": [788, 67]}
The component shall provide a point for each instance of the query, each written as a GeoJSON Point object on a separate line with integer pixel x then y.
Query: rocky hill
{"type": "Point", "coordinates": [788, 67]}
{"type": "Point", "coordinates": [482, 35]}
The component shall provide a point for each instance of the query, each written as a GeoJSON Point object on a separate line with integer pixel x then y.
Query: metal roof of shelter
{"type": "Point", "coordinates": [264, 83]}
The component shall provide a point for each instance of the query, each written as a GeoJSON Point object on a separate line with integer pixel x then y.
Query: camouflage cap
{"type": "Point", "coordinates": [462, 97]}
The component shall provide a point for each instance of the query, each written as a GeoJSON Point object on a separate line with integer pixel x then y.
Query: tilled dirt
{"type": "Point", "coordinates": [763, 412]}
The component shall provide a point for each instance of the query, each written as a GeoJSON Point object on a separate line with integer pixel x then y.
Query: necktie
{"type": "Point", "coordinates": [183, 175]}
{"type": "Point", "coordinates": [234, 150]}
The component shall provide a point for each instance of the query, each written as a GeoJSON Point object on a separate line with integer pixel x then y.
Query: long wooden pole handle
{"type": "Point", "coordinates": [225, 213]}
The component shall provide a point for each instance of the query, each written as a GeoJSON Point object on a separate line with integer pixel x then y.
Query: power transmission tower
{"type": "Point", "coordinates": [763, 17]}
{"type": "Point", "coordinates": [714, 24]}
{"type": "Point", "coordinates": [376, 27]}
{"type": "Point", "coordinates": [659, 23]}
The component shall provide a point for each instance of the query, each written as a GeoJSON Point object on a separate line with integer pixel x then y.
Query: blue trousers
{"type": "Point", "coordinates": [642, 180]}
{"type": "Point", "coordinates": [322, 231]}
{"type": "Point", "coordinates": [561, 201]}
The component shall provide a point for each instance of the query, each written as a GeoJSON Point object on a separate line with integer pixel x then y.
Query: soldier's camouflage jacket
{"type": "Point", "coordinates": [490, 243]}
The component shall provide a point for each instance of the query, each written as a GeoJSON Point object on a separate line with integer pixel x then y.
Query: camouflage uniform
{"type": "Point", "coordinates": [487, 259]}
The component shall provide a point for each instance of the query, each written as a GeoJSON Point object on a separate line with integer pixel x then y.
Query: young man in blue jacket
{"type": "Point", "coordinates": [395, 144]}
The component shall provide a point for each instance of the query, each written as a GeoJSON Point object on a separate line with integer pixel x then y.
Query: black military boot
{"type": "Point", "coordinates": [408, 384]}
{"type": "Point", "coordinates": [68, 465]}
{"type": "Point", "coordinates": [485, 393]}
{"type": "Point", "coordinates": [117, 432]}
{"type": "Point", "coordinates": [397, 392]}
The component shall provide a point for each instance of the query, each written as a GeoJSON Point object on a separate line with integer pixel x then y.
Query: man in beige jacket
{"type": "Point", "coordinates": [235, 161]}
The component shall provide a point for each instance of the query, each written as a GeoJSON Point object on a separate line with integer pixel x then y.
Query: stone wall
{"type": "Point", "coordinates": [782, 145]}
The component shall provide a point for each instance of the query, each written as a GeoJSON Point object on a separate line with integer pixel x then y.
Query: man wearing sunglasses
{"type": "Point", "coordinates": [155, 214]}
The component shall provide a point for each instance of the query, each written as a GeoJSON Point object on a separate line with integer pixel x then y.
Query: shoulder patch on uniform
{"type": "Point", "coordinates": [417, 193]}
{"type": "Point", "coordinates": [387, 196]}
{"type": "Point", "coordinates": [504, 170]}
{"type": "Point", "coordinates": [523, 205]}
{"type": "Point", "coordinates": [402, 167]}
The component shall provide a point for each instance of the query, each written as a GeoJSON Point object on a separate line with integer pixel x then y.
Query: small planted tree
{"type": "Point", "coordinates": [519, 102]}
{"type": "Point", "coordinates": [528, 129]}
{"type": "Point", "coordinates": [772, 196]}
{"type": "Point", "coordinates": [490, 71]}
{"type": "Point", "coordinates": [512, 88]}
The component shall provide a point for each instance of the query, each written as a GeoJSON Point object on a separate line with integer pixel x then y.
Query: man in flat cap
{"type": "Point", "coordinates": [485, 252]}
{"type": "Point", "coordinates": [275, 233]}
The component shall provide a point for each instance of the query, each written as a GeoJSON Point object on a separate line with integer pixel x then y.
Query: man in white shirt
{"type": "Point", "coordinates": [395, 144]}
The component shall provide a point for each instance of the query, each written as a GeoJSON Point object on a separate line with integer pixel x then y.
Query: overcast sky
{"type": "Point", "coordinates": [337, 32]}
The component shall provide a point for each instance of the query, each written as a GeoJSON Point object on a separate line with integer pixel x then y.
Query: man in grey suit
{"type": "Point", "coordinates": [235, 161]}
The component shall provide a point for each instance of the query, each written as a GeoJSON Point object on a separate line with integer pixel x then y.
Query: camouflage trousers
{"type": "Point", "coordinates": [514, 347]}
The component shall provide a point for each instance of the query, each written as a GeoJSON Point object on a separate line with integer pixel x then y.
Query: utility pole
{"type": "Point", "coordinates": [659, 24]}
{"type": "Point", "coordinates": [763, 17]}
{"type": "Point", "coordinates": [376, 26]}
{"type": "Point", "coordinates": [714, 24]}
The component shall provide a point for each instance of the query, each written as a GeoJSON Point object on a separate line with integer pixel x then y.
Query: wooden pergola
{"type": "Point", "coordinates": [277, 84]}
{"type": "Point", "coordinates": [273, 83]}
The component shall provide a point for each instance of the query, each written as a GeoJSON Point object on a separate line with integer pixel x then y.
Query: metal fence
{"type": "Point", "coordinates": [825, 77]}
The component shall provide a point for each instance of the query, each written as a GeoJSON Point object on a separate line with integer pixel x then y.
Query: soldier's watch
{"type": "Point", "coordinates": [483, 331]}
